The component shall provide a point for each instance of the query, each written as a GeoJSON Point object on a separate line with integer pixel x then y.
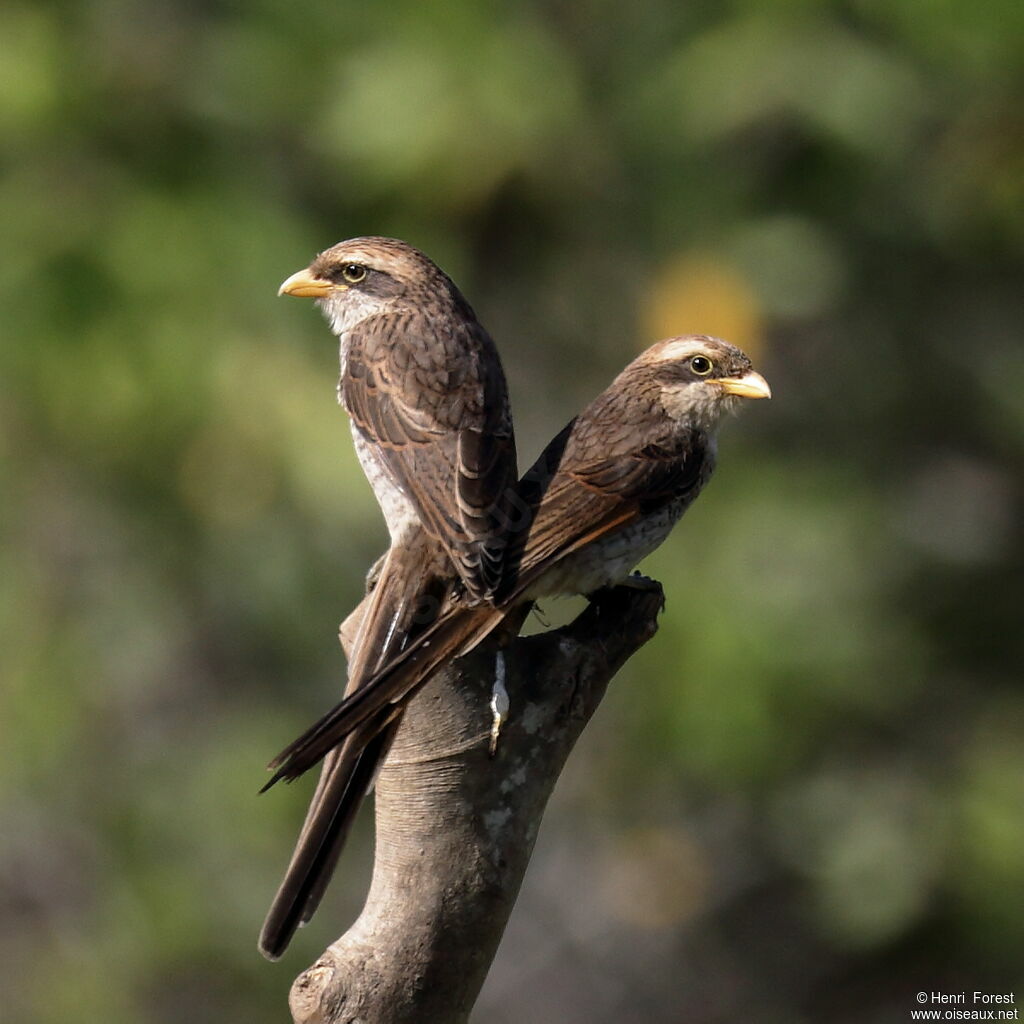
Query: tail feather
{"type": "Point", "coordinates": [401, 605]}
{"type": "Point", "coordinates": [383, 627]}
{"type": "Point", "coordinates": [453, 634]}
{"type": "Point", "coordinates": [345, 782]}
{"type": "Point", "coordinates": [372, 761]}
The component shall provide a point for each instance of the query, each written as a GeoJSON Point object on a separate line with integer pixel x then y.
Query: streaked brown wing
{"type": "Point", "coordinates": [437, 411]}
{"type": "Point", "coordinates": [582, 493]}
{"type": "Point", "coordinates": [655, 473]}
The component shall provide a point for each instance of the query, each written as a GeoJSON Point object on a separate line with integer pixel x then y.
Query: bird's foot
{"type": "Point", "coordinates": [638, 581]}
{"type": "Point", "coordinates": [538, 613]}
{"type": "Point", "coordinates": [612, 596]}
{"type": "Point", "coordinates": [373, 573]}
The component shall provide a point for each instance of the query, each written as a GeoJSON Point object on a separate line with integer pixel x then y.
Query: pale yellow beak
{"type": "Point", "coordinates": [304, 285]}
{"type": "Point", "coordinates": [750, 385]}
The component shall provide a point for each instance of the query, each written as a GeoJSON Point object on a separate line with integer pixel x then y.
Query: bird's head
{"type": "Point", "coordinates": [364, 277]}
{"type": "Point", "coordinates": [697, 378]}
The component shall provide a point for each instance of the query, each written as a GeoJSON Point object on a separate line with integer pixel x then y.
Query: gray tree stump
{"type": "Point", "coordinates": [456, 826]}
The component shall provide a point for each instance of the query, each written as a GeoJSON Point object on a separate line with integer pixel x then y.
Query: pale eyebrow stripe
{"type": "Point", "coordinates": [678, 349]}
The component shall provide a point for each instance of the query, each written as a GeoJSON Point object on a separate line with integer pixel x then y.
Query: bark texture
{"type": "Point", "coordinates": [456, 826]}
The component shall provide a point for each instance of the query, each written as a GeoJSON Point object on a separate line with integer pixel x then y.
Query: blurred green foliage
{"type": "Point", "coordinates": [803, 801]}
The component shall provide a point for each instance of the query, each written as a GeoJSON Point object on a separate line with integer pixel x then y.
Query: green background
{"type": "Point", "coordinates": [804, 800]}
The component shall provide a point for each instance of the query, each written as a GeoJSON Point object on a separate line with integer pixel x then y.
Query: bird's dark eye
{"type": "Point", "coordinates": [701, 365]}
{"type": "Point", "coordinates": [353, 273]}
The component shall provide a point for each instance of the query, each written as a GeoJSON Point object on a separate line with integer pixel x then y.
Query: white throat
{"type": "Point", "coordinates": [349, 309]}
{"type": "Point", "coordinates": [697, 403]}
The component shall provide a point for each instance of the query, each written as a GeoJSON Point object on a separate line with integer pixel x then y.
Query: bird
{"type": "Point", "coordinates": [604, 493]}
{"type": "Point", "coordinates": [424, 388]}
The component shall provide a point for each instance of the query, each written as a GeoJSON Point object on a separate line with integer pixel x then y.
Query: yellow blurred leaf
{"type": "Point", "coordinates": [699, 293]}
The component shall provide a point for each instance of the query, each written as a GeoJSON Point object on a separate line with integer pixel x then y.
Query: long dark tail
{"type": "Point", "coordinates": [455, 633]}
{"type": "Point", "coordinates": [349, 773]}
{"type": "Point", "coordinates": [402, 604]}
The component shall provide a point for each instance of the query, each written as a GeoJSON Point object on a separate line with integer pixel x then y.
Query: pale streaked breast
{"type": "Point", "coordinates": [399, 512]}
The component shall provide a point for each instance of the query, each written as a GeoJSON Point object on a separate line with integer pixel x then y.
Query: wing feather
{"type": "Point", "coordinates": [579, 493]}
{"type": "Point", "coordinates": [435, 408]}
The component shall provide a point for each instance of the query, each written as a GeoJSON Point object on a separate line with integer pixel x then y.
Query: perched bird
{"type": "Point", "coordinates": [423, 385]}
{"type": "Point", "coordinates": [424, 388]}
{"type": "Point", "coordinates": [603, 495]}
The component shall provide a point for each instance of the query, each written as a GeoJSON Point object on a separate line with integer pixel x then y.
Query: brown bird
{"type": "Point", "coordinates": [423, 385]}
{"type": "Point", "coordinates": [604, 494]}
